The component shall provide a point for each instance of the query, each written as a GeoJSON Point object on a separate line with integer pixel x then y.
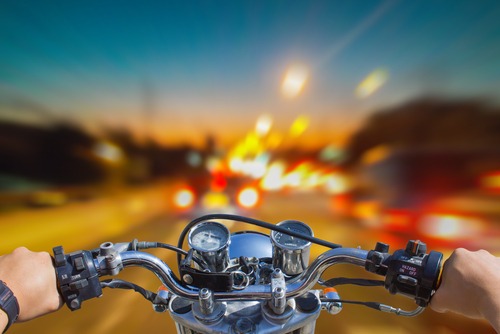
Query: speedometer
{"type": "Point", "coordinates": [210, 241]}
{"type": "Point", "coordinates": [208, 236]}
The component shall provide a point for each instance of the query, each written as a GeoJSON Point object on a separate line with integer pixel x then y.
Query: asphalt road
{"type": "Point", "coordinates": [145, 214]}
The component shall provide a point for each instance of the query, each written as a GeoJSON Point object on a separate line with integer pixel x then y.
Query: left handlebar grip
{"type": "Point", "coordinates": [77, 277]}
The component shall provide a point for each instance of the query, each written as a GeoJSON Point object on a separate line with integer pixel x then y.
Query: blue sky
{"type": "Point", "coordinates": [204, 67]}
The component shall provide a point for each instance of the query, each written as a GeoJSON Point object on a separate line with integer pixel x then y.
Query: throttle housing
{"type": "Point", "coordinates": [77, 277]}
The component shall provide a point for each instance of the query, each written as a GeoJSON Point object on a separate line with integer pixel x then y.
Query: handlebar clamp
{"type": "Point", "coordinates": [77, 277]}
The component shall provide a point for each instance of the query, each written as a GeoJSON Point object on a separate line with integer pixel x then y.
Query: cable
{"type": "Point", "coordinates": [121, 284]}
{"type": "Point", "coordinates": [373, 305]}
{"type": "Point", "coordinates": [355, 281]}
{"type": "Point", "coordinates": [378, 306]}
{"type": "Point", "coordinates": [154, 244]}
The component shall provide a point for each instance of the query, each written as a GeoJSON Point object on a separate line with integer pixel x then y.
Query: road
{"type": "Point", "coordinates": [144, 213]}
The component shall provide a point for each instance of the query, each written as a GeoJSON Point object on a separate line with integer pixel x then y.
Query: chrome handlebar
{"type": "Point", "coordinates": [300, 285]}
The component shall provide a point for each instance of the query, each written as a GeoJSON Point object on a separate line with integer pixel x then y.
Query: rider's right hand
{"type": "Point", "coordinates": [470, 286]}
{"type": "Point", "coordinates": [32, 279]}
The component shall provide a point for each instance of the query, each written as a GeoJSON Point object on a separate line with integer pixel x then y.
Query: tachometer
{"type": "Point", "coordinates": [291, 253]}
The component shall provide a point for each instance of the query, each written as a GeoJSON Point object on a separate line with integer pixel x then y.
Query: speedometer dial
{"type": "Point", "coordinates": [208, 236]}
{"type": "Point", "coordinates": [210, 243]}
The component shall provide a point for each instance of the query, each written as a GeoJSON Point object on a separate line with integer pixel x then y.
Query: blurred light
{"type": "Point", "coordinates": [371, 83]}
{"type": "Point", "coordinates": [293, 179]}
{"type": "Point", "coordinates": [398, 218]}
{"type": "Point", "coordinates": [274, 140]}
{"type": "Point", "coordinates": [273, 180]}
{"type": "Point", "coordinates": [252, 143]}
{"type": "Point", "coordinates": [336, 184]}
{"type": "Point", "coordinates": [236, 164]}
{"type": "Point", "coordinates": [341, 204]}
{"type": "Point", "coordinates": [294, 81]}
{"type": "Point", "coordinates": [331, 153]}
{"type": "Point", "coordinates": [313, 180]}
{"type": "Point", "coordinates": [367, 212]}
{"type": "Point", "coordinates": [215, 200]}
{"type": "Point", "coordinates": [258, 167]}
{"type": "Point", "coordinates": [491, 181]}
{"type": "Point", "coordinates": [449, 226]}
{"type": "Point", "coordinates": [219, 181]}
{"type": "Point", "coordinates": [184, 198]}
{"type": "Point", "coordinates": [248, 197]}
{"type": "Point", "coordinates": [108, 152]}
{"type": "Point", "coordinates": [299, 126]}
{"type": "Point", "coordinates": [375, 155]}
{"type": "Point", "coordinates": [194, 159]}
{"type": "Point", "coordinates": [264, 123]}
{"type": "Point", "coordinates": [213, 164]}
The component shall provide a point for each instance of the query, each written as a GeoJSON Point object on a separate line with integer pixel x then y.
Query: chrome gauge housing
{"type": "Point", "coordinates": [210, 243]}
{"type": "Point", "coordinates": [291, 254]}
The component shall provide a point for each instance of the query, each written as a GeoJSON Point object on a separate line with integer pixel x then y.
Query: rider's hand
{"type": "Point", "coordinates": [32, 279]}
{"type": "Point", "coordinates": [470, 286]}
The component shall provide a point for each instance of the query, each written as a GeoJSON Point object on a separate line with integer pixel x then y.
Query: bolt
{"type": "Point", "coordinates": [160, 308]}
{"type": "Point", "coordinates": [277, 273]}
{"type": "Point", "coordinates": [187, 279]}
{"type": "Point", "coordinates": [206, 301]}
{"type": "Point", "coordinates": [278, 292]}
{"type": "Point", "coordinates": [244, 326]}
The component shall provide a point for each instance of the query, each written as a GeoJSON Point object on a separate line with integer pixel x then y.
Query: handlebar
{"type": "Point", "coordinates": [410, 272]}
{"type": "Point", "coordinates": [79, 272]}
{"type": "Point", "coordinates": [302, 284]}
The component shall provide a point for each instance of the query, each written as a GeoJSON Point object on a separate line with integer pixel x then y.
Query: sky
{"type": "Point", "coordinates": [182, 70]}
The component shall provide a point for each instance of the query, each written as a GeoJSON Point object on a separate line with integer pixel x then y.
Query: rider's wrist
{"type": "Point", "coordinates": [8, 305]}
{"type": "Point", "coordinates": [490, 310]}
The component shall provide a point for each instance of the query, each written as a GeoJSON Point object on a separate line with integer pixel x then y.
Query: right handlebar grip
{"type": "Point", "coordinates": [77, 277]}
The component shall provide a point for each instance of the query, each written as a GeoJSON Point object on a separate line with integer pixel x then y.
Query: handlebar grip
{"type": "Point", "coordinates": [77, 277]}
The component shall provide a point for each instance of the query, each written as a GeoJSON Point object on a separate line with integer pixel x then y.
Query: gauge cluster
{"type": "Point", "coordinates": [210, 242]}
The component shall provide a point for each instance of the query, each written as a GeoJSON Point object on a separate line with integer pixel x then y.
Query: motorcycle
{"type": "Point", "coordinates": [249, 282]}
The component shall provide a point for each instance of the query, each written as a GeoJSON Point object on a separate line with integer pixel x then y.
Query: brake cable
{"type": "Point", "coordinates": [377, 306]}
{"type": "Point", "coordinates": [354, 281]}
{"type": "Point", "coordinates": [121, 284]}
